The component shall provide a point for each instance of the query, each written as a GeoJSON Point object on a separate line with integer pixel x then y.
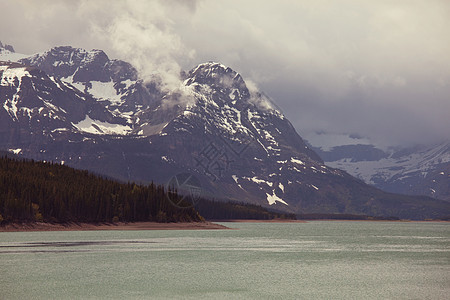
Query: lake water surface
{"type": "Point", "coordinates": [314, 260]}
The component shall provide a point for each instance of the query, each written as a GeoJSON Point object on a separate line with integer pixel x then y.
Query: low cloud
{"type": "Point", "coordinates": [142, 33]}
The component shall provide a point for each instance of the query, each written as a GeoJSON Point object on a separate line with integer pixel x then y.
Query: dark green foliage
{"type": "Point", "coordinates": [217, 210]}
{"type": "Point", "coordinates": [38, 191]}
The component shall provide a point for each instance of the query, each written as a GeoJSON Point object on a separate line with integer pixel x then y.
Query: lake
{"type": "Point", "coordinates": [314, 260]}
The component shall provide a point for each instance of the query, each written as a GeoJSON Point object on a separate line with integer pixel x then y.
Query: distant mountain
{"type": "Point", "coordinates": [91, 112]}
{"type": "Point", "coordinates": [419, 170]}
{"type": "Point", "coordinates": [7, 53]}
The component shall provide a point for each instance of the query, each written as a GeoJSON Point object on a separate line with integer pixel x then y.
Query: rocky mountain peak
{"type": "Point", "coordinates": [66, 61]}
{"type": "Point", "coordinates": [92, 72]}
{"type": "Point", "coordinates": [218, 79]}
{"type": "Point", "coordinates": [7, 47]}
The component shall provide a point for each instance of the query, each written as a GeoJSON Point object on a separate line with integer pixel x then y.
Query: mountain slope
{"type": "Point", "coordinates": [235, 141]}
{"type": "Point", "coordinates": [8, 54]}
{"type": "Point", "coordinates": [420, 170]}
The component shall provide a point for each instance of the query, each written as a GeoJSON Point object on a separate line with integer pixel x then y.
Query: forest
{"type": "Point", "coordinates": [49, 192]}
{"type": "Point", "coordinates": [35, 191]}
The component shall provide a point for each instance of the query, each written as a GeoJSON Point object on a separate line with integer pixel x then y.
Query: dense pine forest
{"type": "Point", "coordinates": [37, 191]}
{"type": "Point", "coordinates": [33, 191]}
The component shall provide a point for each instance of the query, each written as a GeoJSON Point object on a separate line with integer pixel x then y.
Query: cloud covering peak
{"type": "Point", "coordinates": [376, 68]}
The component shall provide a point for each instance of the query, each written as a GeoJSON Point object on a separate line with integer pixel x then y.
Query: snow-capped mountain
{"type": "Point", "coordinates": [419, 170]}
{"type": "Point", "coordinates": [8, 54]}
{"type": "Point", "coordinates": [113, 83]}
{"type": "Point", "coordinates": [235, 137]}
{"type": "Point", "coordinates": [81, 108]}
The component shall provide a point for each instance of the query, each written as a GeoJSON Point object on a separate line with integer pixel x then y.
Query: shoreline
{"type": "Point", "coordinates": [41, 226]}
{"type": "Point", "coordinates": [207, 225]}
{"type": "Point", "coordinates": [326, 220]}
{"type": "Point", "coordinates": [261, 221]}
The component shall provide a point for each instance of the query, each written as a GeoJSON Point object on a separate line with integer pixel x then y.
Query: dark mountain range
{"type": "Point", "coordinates": [94, 113]}
{"type": "Point", "coordinates": [419, 170]}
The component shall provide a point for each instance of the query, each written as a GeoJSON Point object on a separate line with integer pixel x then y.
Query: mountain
{"type": "Point", "coordinates": [90, 112]}
{"type": "Point", "coordinates": [7, 53]}
{"type": "Point", "coordinates": [418, 170]}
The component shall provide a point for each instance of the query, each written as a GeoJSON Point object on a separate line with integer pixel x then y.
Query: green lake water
{"type": "Point", "coordinates": [314, 260]}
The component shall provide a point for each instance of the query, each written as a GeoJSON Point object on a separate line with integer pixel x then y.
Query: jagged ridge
{"type": "Point", "coordinates": [235, 141]}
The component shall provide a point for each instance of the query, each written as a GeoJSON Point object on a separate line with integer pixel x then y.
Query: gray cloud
{"type": "Point", "coordinates": [377, 68]}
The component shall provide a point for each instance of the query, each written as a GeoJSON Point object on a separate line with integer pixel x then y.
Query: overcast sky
{"type": "Point", "coordinates": [380, 69]}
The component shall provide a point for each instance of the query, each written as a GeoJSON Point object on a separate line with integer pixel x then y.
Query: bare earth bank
{"type": "Point", "coordinates": [40, 226]}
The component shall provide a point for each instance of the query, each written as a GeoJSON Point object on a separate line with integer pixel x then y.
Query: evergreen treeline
{"type": "Point", "coordinates": [38, 191]}
{"type": "Point", "coordinates": [216, 210]}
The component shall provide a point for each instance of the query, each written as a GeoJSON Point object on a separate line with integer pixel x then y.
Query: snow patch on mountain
{"type": "Point", "coordinates": [15, 151]}
{"type": "Point", "coordinates": [10, 75]}
{"type": "Point", "coordinates": [272, 199]}
{"type": "Point", "coordinates": [235, 178]}
{"type": "Point", "coordinates": [314, 187]}
{"type": "Point", "coordinates": [98, 127]}
{"type": "Point", "coordinates": [259, 181]}
{"type": "Point", "coordinates": [297, 161]}
{"type": "Point", "coordinates": [7, 55]}
{"type": "Point", "coordinates": [105, 91]}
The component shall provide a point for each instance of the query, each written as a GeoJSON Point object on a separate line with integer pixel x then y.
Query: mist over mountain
{"type": "Point", "coordinates": [378, 69]}
{"type": "Point", "coordinates": [91, 112]}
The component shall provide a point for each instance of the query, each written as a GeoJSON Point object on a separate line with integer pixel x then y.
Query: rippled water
{"type": "Point", "coordinates": [315, 260]}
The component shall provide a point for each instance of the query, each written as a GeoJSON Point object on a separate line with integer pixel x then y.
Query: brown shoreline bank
{"type": "Point", "coordinates": [40, 226]}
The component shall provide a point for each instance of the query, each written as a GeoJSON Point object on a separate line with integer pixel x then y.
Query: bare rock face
{"type": "Point", "coordinates": [7, 47]}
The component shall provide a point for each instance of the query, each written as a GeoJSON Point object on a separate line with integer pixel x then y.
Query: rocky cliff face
{"type": "Point", "coordinates": [81, 108]}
